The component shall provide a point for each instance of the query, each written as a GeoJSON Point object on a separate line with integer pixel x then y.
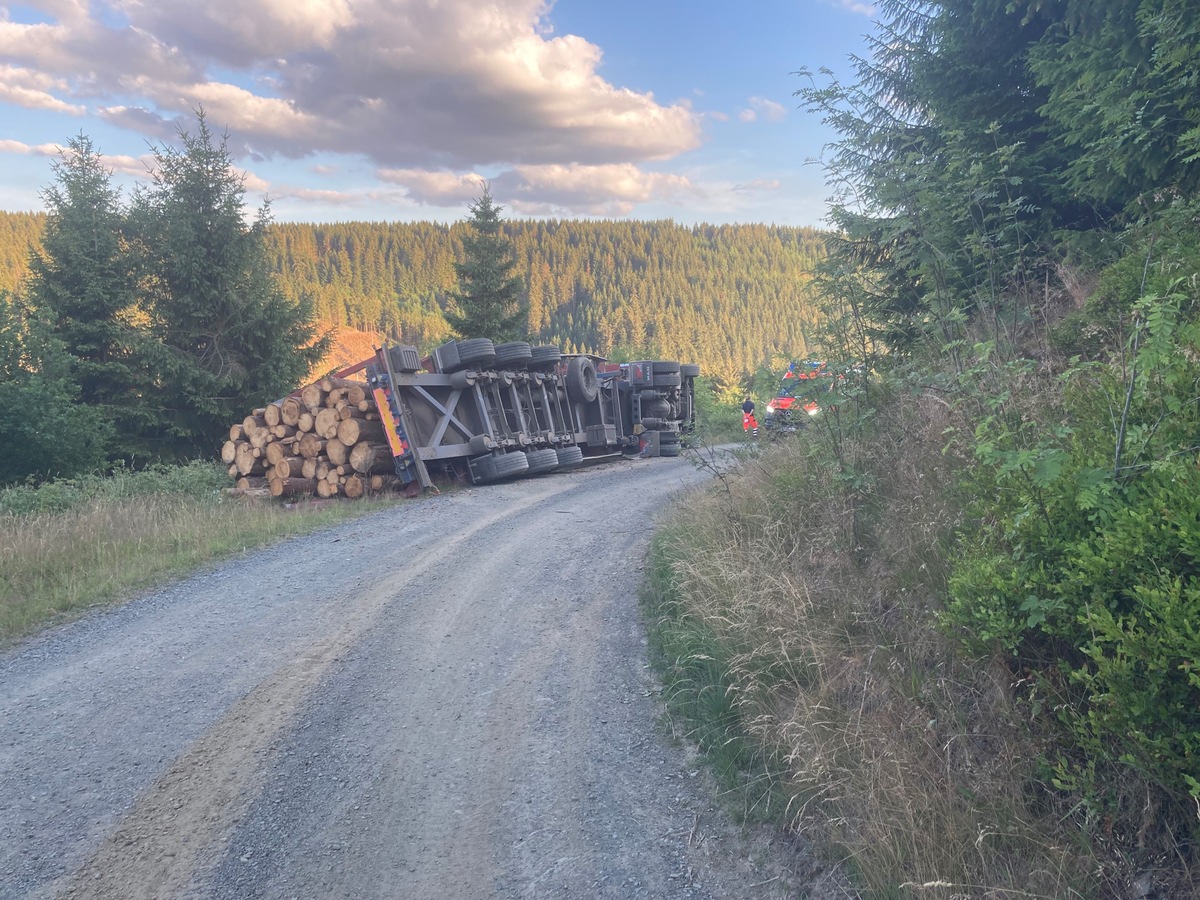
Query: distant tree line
{"type": "Point", "coordinates": [726, 296]}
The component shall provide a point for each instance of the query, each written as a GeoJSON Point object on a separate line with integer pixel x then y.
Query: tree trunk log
{"type": "Point", "coordinates": [236, 433]}
{"type": "Point", "coordinates": [327, 424]}
{"type": "Point", "coordinates": [271, 414]}
{"type": "Point", "coordinates": [292, 487]}
{"type": "Point", "coordinates": [351, 390]}
{"type": "Point", "coordinates": [367, 458]}
{"type": "Point", "coordinates": [251, 424]}
{"type": "Point", "coordinates": [228, 452]}
{"type": "Point", "coordinates": [306, 421]}
{"type": "Point", "coordinates": [289, 467]}
{"type": "Point", "coordinates": [246, 483]}
{"type": "Point", "coordinates": [311, 446]}
{"type": "Point", "coordinates": [353, 431]}
{"type": "Point", "coordinates": [337, 452]}
{"type": "Point", "coordinates": [289, 410]}
{"type": "Point", "coordinates": [326, 490]}
{"type": "Point", "coordinates": [278, 450]}
{"type": "Point", "coordinates": [310, 469]}
{"type": "Point", "coordinates": [247, 463]}
{"type": "Point", "coordinates": [354, 487]}
{"type": "Point", "coordinates": [312, 397]}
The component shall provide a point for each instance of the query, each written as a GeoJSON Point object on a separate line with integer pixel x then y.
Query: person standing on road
{"type": "Point", "coordinates": [749, 423]}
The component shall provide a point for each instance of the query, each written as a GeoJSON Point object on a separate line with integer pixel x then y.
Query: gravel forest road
{"type": "Point", "coordinates": [446, 699]}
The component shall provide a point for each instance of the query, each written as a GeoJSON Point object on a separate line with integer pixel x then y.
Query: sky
{"type": "Point", "coordinates": [402, 110]}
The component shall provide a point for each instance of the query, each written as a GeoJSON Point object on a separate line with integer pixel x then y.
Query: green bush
{"type": "Point", "coordinates": [197, 480]}
{"type": "Point", "coordinates": [1084, 562]}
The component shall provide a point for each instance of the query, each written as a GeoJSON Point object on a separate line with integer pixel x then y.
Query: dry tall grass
{"type": "Point", "coordinates": [818, 594]}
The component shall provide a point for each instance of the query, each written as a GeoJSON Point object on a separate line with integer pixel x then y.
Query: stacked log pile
{"type": "Point", "coordinates": [325, 441]}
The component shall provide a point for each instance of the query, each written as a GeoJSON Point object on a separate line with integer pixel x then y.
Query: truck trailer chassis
{"type": "Point", "coordinates": [495, 411]}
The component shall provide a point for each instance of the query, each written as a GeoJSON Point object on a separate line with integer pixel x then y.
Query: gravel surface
{"type": "Point", "coordinates": [446, 699]}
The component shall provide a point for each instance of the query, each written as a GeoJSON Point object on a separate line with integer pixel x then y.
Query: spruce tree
{"type": "Point", "coordinates": [229, 338]}
{"type": "Point", "coordinates": [83, 282]}
{"type": "Point", "coordinates": [44, 430]}
{"type": "Point", "coordinates": [491, 300]}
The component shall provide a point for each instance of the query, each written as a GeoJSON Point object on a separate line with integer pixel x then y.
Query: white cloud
{"type": "Point", "coordinates": [23, 149]}
{"type": "Point", "coordinates": [764, 108]}
{"type": "Point", "coordinates": [405, 82]}
{"type": "Point", "coordinates": [419, 88]}
{"type": "Point", "coordinates": [435, 188]}
{"type": "Point", "coordinates": [34, 90]}
{"type": "Point", "coordinates": [855, 6]}
{"type": "Point", "coordinates": [124, 165]}
{"type": "Point", "coordinates": [547, 190]}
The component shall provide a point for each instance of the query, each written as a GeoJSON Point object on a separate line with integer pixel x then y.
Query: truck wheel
{"type": "Point", "coordinates": [514, 355]}
{"type": "Point", "coordinates": [476, 353]}
{"type": "Point", "coordinates": [569, 457]}
{"type": "Point", "coordinates": [689, 370]}
{"type": "Point", "coordinates": [664, 367]}
{"type": "Point", "coordinates": [510, 464]}
{"type": "Point", "coordinates": [667, 380]}
{"type": "Point", "coordinates": [493, 468]}
{"type": "Point", "coordinates": [542, 461]}
{"type": "Point", "coordinates": [544, 358]}
{"type": "Point", "coordinates": [583, 386]}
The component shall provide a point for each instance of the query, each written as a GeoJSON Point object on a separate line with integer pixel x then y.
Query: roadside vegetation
{"type": "Point", "coordinates": [70, 545]}
{"type": "Point", "coordinates": [950, 629]}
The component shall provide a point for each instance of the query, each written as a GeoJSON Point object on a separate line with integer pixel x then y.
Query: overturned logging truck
{"type": "Point", "coordinates": [478, 410]}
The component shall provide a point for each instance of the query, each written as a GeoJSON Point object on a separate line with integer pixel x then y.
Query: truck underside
{"type": "Point", "coordinates": [493, 411]}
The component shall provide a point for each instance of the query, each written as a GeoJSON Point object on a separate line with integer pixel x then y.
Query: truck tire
{"type": "Point", "coordinates": [542, 461]}
{"type": "Point", "coordinates": [514, 355]}
{"type": "Point", "coordinates": [689, 370]}
{"type": "Point", "coordinates": [664, 367]}
{"type": "Point", "coordinates": [544, 358]}
{"type": "Point", "coordinates": [667, 380]}
{"type": "Point", "coordinates": [493, 468]}
{"type": "Point", "coordinates": [583, 386]}
{"type": "Point", "coordinates": [569, 457]}
{"type": "Point", "coordinates": [476, 353]}
{"type": "Point", "coordinates": [668, 443]}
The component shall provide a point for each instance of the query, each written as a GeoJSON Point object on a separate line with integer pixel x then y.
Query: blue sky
{"type": "Point", "coordinates": [344, 110]}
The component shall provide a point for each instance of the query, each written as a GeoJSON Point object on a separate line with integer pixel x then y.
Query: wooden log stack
{"type": "Point", "coordinates": [325, 441]}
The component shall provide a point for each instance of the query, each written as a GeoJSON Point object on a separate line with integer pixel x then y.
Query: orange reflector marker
{"type": "Point", "coordinates": [399, 448]}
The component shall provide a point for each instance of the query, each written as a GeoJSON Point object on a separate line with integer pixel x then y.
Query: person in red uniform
{"type": "Point", "coordinates": [749, 423]}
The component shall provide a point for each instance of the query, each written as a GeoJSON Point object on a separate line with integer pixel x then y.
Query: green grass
{"type": "Point", "coordinates": [69, 546]}
{"type": "Point", "coordinates": [694, 664]}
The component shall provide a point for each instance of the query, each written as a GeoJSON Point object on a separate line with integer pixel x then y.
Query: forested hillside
{"type": "Point", "coordinates": [727, 296]}
{"type": "Point", "coordinates": [18, 233]}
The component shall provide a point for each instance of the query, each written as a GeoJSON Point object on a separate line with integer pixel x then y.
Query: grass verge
{"type": "Point", "coordinates": [792, 611]}
{"type": "Point", "coordinates": [68, 546]}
